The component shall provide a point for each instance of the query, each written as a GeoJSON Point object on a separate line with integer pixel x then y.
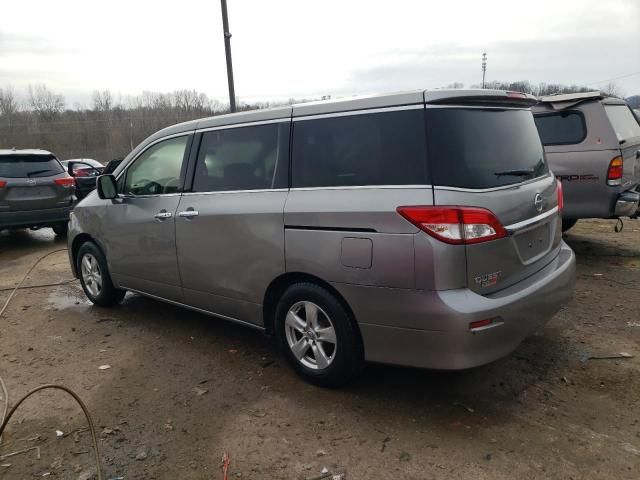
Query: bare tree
{"type": "Point", "coordinates": [102, 101]}
{"type": "Point", "coordinates": [612, 89]}
{"type": "Point", "coordinates": [9, 105]}
{"type": "Point", "coordinates": [44, 102]}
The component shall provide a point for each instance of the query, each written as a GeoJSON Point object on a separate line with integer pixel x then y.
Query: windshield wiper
{"type": "Point", "coordinates": [36, 172]}
{"type": "Point", "coordinates": [516, 173]}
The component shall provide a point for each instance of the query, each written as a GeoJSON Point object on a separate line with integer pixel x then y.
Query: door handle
{"type": "Point", "coordinates": [163, 215]}
{"type": "Point", "coordinates": [188, 213]}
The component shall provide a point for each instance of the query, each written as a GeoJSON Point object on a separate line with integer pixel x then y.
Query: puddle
{"type": "Point", "coordinates": [68, 296]}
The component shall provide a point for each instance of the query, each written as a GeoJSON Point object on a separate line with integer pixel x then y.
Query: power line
{"type": "Point", "coordinates": [614, 78]}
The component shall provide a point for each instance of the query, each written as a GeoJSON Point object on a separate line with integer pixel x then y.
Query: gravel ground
{"type": "Point", "coordinates": [183, 388]}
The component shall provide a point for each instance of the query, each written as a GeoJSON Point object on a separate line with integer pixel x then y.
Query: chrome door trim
{"type": "Point", "coordinates": [525, 223]}
{"type": "Point", "coordinates": [363, 187]}
{"type": "Point", "coordinates": [348, 113]}
{"type": "Point", "coordinates": [216, 192]}
{"type": "Point", "coordinates": [491, 189]}
{"type": "Point", "coordinates": [206, 312]}
{"type": "Point", "coordinates": [243, 124]}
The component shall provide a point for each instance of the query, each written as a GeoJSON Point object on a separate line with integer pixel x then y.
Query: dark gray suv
{"type": "Point", "coordinates": [35, 191]}
{"type": "Point", "coordinates": [418, 228]}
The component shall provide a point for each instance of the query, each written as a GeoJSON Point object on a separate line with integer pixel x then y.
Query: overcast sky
{"type": "Point", "coordinates": [304, 48]}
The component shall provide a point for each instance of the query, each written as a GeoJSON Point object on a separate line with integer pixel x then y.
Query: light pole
{"type": "Point", "coordinates": [484, 66]}
{"type": "Point", "coordinates": [227, 51]}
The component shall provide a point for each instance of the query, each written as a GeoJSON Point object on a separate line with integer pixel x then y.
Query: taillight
{"type": "Point", "coordinates": [614, 174]}
{"type": "Point", "coordinates": [456, 225]}
{"type": "Point", "coordinates": [560, 197]}
{"type": "Point", "coordinates": [3, 183]}
{"type": "Point", "coordinates": [65, 181]}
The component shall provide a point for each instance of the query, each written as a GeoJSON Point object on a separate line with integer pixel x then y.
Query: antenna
{"type": "Point", "coordinates": [484, 67]}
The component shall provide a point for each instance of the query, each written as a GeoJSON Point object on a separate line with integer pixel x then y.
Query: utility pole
{"type": "Point", "coordinates": [227, 51]}
{"type": "Point", "coordinates": [484, 66]}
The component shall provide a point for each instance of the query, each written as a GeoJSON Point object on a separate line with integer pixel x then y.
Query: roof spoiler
{"type": "Point", "coordinates": [568, 100]}
{"type": "Point", "coordinates": [479, 97]}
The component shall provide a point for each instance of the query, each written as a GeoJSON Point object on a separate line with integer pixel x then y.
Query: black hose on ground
{"type": "Point", "coordinates": [4, 419]}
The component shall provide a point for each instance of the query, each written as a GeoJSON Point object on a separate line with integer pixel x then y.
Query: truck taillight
{"type": "Point", "coordinates": [65, 181]}
{"type": "Point", "coordinates": [560, 197]}
{"type": "Point", "coordinates": [614, 173]}
{"type": "Point", "coordinates": [455, 225]}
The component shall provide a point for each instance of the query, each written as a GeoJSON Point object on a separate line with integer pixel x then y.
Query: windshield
{"type": "Point", "coordinates": [622, 121]}
{"type": "Point", "coordinates": [29, 166]}
{"type": "Point", "coordinates": [483, 147]}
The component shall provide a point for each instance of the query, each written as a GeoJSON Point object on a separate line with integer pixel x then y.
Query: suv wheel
{"type": "Point", "coordinates": [318, 336]}
{"type": "Point", "coordinates": [61, 229]}
{"type": "Point", "coordinates": [94, 276]}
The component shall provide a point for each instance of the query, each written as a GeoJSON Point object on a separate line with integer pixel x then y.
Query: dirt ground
{"type": "Point", "coordinates": [183, 388]}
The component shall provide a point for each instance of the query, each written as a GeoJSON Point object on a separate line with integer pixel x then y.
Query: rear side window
{"type": "Point", "coordinates": [622, 121]}
{"type": "Point", "coordinates": [386, 148]}
{"type": "Point", "coordinates": [483, 148]}
{"type": "Point", "coordinates": [29, 166]}
{"type": "Point", "coordinates": [243, 158]}
{"type": "Point", "coordinates": [562, 128]}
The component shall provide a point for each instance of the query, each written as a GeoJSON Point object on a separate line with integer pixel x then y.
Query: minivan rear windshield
{"type": "Point", "coordinates": [483, 147]}
{"type": "Point", "coordinates": [623, 122]}
{"type": "Point", "coordinates": [29, 166]}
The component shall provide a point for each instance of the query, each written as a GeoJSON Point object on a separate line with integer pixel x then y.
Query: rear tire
{"type": "Point", "coordinates": [318, 335]}
{"type": "Point", "coordinates": [61, 229]}
{"type": "Point", "coordinates": [568, 223]}
{"type": "Point", "coordinates": [92, 269]}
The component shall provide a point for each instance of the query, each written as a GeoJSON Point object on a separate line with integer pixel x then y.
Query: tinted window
{"type": "Point", "coordinates": [561, 128]}
{"type": "Point", "coordinates": [243, 158]}
{"type": "Point", "coordinates": [157, 170]}
{"type": "Point", "coordinates": [622, 120]}
{"type": "Point", "coordinates": [30, 166]}
{"type": "Point", "coordinates": [357, 150]}
{"type": "Point", "coordinates": [483, 148]}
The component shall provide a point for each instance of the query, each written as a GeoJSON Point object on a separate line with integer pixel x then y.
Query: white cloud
{"type": "Point", "coordinates": [284, 48]}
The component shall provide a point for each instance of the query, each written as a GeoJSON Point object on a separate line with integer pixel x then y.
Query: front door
{"type": "Point", "coordinates": [229, 229]}
{"type": "Point", "coordinates": [140, 225]}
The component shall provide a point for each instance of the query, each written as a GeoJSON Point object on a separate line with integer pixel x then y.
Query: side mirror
{"type": "Point", "coordinates": [107, 189]}
{"type": "Point", "coordinates": [82, 169]}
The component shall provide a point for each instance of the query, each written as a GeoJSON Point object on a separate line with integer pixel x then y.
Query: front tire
{"type": "Point", "coordinates": [92, 269]}
{"type": "Point", "coordinates": [318, 335]}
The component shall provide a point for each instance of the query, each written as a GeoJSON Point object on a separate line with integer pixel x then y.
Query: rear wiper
{"type": "Point", "coordinates": [515, 173]}
{"type": "Point", "coordinates": [36, 172]}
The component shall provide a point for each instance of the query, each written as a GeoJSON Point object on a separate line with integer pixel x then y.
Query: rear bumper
{"type": "Point", "coordinates": [627, 204]}
{"type": "Point", "coordinates": [34, 218]}
{"type": "Point", "coordinates": [430, 329]}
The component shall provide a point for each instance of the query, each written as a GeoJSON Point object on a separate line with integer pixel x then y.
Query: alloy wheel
{"type": "Point", "coordinates": [310, 335]}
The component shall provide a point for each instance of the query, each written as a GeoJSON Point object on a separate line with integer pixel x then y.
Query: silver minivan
{"type": "Point", "coordinates": [418, 229]}
{"type": "Point", "coordinates": [592, 143]}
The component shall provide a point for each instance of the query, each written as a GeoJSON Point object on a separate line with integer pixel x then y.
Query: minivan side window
{"type": "Point", "coordinates": [561, 128]}
{"type": "Point", "coordinates": [387, 148]}
{"type": "Point", "coordinates": [243, 158]}
{"type": "Point", "coordinates": [157, 170]}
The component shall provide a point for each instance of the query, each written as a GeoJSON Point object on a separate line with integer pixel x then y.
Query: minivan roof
{"type": "Point", "coordinates": [32, 151]}
{"type": "Point", "coordinates": [413, 97]}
